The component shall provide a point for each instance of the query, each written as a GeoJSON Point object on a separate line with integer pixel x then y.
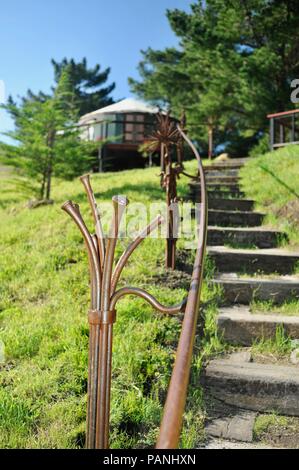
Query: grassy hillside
{"type": "Point", "coordinates": [44, 297]}
{"type": "Point", "coordinates": [272, 180]}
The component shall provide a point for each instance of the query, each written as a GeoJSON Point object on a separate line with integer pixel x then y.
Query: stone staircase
{"type": "Point", "coordinates": [242, 236]}
{"type": "Point", "coordinates": [250, 266]}
{"type": "Point", "coordinates": [239, 326]}
{"type": "Point", "coordinates": [253, 261]}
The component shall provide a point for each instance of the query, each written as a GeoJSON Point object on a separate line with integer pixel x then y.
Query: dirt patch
{"type": "Point", "coordinates": [289, 211]}
{"type": "Point", "coordinates": [280, 431]}
{"type": "Point", "coordinates": [7, 366]}
{"type": "Point", "coordinates": [184, 261]}
{"type": "Point", "coordinates": [172, 279]}
{"type": "Point", "coordinates": [269, 358]}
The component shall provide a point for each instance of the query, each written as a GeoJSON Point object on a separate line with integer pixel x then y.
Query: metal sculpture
{"type": "Point", "coordinates": [164, 139]}
{"type": "Point", "coordinates": [168, 139]}
{"type": "Point", "coordinates": [104, 278]}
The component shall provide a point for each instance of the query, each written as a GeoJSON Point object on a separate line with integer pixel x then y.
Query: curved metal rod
{"type": "Point", "coordinates": [119, 205]}
{"type": "Point", "coordinates": [148, 297]}
{"type": "Point", "coordinates": [95, 273]}
{"type": "Point", "coordinates": [103, 406]}
{"type": "Point", "coordinates": [85, 180]}
{"type": "Point", "coordinates": [95, 242]}
{"type": "Point", "coordinates": [129, 250]}
{"type": "Point", "coordinates": [177, 392]}
{"type": "Point", "coordinates": [189, 176]}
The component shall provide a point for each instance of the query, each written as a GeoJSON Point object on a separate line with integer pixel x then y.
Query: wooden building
{"type": "Point", "coordinates": [123, 127]}
{"type": "Point", "coordinates": [284, 129]}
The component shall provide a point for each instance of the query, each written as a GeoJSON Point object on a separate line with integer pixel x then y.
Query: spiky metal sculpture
{"type": "Point", "coordinates": [167, 140]}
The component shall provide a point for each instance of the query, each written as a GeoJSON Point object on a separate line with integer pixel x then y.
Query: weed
{"type": "Point", "coordinates": [280, 345]}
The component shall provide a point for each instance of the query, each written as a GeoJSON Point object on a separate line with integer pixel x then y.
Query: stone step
{"type": "Point", "coordinates": [244, 290]}
{"type": "Point", "coordinates": [222, 167]}
{"type": "Point", "coordinates": [234, 163]}
{"type": "Point", "coordinates": [253, 386]}
{"type": "Point", "coordinates": [217, 195]}
{"type": "Point", "coordinates": [272, 260]}
{"type": "Point", "coordinates": [230, 204]}
{"type": "Point", "coordinates": [239, 326]}
{"type": "Point", "coordinates": [234, 218]}
{"type": "Point", "coordinates": [223, 180]}
{"type": "Point", "coordinates": [219, 443]}
{"type": "Point", "coordinates": [216, 191]}
{"type": "Point", "coordinates": [221, 172]}
{"type": "Point", "coordinates": [224, 187]}
{"type": "Point", "coordinates": [222, 203]}
{"type": "Point", "coordinates": [237, 426]}
{"type": "Point", "coordinates": [228, 422]}
{"type": "Point", "coordinates": [255, 236]}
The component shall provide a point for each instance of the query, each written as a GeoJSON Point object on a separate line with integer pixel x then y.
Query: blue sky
{"type": "Point", "coordinates": [109, 32]}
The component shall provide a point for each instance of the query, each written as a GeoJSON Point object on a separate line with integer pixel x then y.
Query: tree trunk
{"type": "Point", "coordinates": [210, 133]}
{"type": "Point", "coordinates": [49, 180]}
{"type": "Point", "coordinates": [51, 140]}
{"type": "Point", "coordinates": [42, 189]}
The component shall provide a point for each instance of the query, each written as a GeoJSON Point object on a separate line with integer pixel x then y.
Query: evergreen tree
{"type": "Point", "coordinates": [47, 140]}
{"type": "Point", "coordinates": [87, 85]}
{"type": "Point", "coordinates": [234, 65]}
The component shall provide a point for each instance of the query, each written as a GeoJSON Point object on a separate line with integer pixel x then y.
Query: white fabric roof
{"type": "Point", "coordinates": [128, 105]}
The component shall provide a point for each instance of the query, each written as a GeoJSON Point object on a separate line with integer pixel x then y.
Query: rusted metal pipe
{"type": "Point", "coordinates": [119, 205]}
{"type": "Point", "coordinates": [177, 392]}
{"type": "Point", "coordinates": [85, 180]}
{"type": "Point", "coordinates": [148, 297]}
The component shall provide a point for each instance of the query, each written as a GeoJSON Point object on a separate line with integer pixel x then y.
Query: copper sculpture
{"type": "Point", "coordinates": [102, 313]}
{"type": "Point", "coordinates": [104, 277]}
{"type": "Point", "coordinates": [166, 139]}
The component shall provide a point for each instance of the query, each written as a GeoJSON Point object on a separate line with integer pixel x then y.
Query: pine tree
{"type": "Point", "coordinates": [234, 65]}
{"type": "Point", "coordinates": [47, 140]}
{"type": "Point", "coordinates": [87, 84]}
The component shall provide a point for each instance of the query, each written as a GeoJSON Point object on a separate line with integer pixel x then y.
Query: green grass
{"type": "Point", "coordinates": [263, 423]}
{"type": "Point", "coordinates": [44, 296]}
{"type": "Point", "coordinates": [290, 307]}
{"type": "Point", "coordinates": [280, 345]}
{"type": "Point", "coordinates": [272, 181]}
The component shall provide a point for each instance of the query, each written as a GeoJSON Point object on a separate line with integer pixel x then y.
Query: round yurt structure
{"type": "Point", "coordinates": [120, 128]}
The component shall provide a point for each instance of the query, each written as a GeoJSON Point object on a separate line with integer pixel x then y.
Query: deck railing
{"type": "Point", "coordinates": [283, 129]}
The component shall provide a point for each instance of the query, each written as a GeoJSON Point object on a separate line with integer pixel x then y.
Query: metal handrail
{"type": "Point", "coordinates": [171, 424]}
